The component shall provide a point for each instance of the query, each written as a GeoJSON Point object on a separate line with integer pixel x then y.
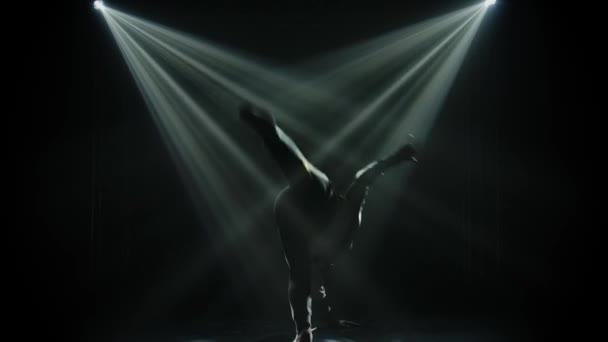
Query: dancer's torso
{"type": "Point", "coordinates": [312, 213]}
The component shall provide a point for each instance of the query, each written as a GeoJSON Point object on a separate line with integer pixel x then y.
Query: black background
{"type": "Point", "coordinates": [85, 113]}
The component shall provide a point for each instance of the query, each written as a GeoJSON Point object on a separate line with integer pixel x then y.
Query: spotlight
{"type": "Point", "coordinates": [98, 5]}
{"type": "Point", "coordinates": [490, 2]}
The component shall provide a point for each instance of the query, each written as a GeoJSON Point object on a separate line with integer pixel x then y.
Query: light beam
{"type": "Point", "coordinates": [98, 5]}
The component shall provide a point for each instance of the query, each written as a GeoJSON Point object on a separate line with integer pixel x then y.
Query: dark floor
{"type": "Point", "coordinates": [393, 331]}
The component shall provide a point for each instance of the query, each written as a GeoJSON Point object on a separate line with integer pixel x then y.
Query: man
{"type": "Point", "coordinates": [315, 223]}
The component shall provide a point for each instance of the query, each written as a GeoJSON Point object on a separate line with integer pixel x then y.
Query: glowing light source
{"type": "Point", "coordinates": [98, 5]}
{"type": "Point", "coordinates": [490, 2]}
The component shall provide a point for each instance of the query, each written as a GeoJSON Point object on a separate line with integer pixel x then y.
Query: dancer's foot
{"type": "Point", "coordinates": [342, 323]}
{"type": "Point", "coordinates": [257, 118]}
{"type": "Point", "coordinates": [335, 323]}
{"type": "Point", "coordinates": [304, 336]}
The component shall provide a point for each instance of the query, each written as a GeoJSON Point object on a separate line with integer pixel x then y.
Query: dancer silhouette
{"type": "Point", "coordinates": [315, 223]}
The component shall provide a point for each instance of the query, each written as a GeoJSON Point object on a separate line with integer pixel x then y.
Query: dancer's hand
{"type": "Point", "coordinates": [406, 152]}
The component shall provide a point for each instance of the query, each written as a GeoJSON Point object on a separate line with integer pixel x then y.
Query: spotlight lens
{"type": "Point", "coordinates": [98, 5]}
{"type": "Point", "coordinates": [490, 2]}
